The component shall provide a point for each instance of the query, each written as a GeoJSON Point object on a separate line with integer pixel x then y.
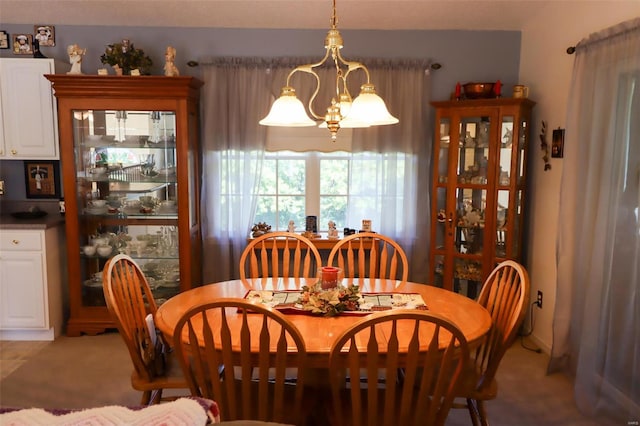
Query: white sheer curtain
{"type": "Point", "coordinates": [238, 93]}
{"type": "Point", "coordinates": [597, 314]}
{"type": "Point", "coordinates": [402, 200]}
{"type": "Point", "coordinates": [235, 95]}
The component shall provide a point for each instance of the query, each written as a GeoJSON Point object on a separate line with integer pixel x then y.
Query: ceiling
{"type": "Point", "coordinates": [286, 14]}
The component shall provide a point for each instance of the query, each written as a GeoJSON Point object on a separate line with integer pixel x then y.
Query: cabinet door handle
{"type": "Point", "coordinates": [14, 152]}
{"type": "Point", "coordinates": [15, 242]}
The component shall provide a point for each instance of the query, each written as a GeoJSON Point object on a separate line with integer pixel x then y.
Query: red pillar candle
{"type": "Point", "coordinates": [458, 89]}
{"type": "Point", "coordinates": [497, 88]}
{"type": "Point", "coordinates": [329, 277]}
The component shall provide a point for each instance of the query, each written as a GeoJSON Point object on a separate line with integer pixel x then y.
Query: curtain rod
{"type": "Point", "coordinates": [434, 66]}
{"type": "Point", "coordinates": [608, 33]}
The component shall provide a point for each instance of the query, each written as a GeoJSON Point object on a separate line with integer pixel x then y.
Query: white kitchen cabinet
{"type": "Point", "coordinates": [30, 284]}
{"type": "Point", "coordinates": [28, 128]}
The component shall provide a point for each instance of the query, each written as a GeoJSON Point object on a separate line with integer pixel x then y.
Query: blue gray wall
{"type": "Point", "coordinates": [464, 55]}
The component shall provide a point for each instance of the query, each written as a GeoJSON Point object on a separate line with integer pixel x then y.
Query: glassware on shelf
{"type": "Point", "coordinates": [154, 134]}
{"type": "Point", "coordinates": [120, 130]}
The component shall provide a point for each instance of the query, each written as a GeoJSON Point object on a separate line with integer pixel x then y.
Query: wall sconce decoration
{"type": "Point", "coordinates": [544, 146]}
{"type": "Point", "coordinates": [557, 143]}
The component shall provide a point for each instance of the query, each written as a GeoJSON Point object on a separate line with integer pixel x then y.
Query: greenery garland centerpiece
{"type": "Point", "coordinates": [329, 298]}
{"type": "Point", "coordinates": [126, 57]}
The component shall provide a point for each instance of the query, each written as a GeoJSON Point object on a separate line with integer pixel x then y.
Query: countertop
{"type": "Point", "coordinates": [49, 221]}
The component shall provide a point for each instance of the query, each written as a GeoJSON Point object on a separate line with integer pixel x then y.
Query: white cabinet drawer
{"type": "Point", "coordinates": [21, 241]}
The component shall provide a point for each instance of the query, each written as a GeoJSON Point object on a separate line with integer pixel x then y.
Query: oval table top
{"type": "Point", "coordinates": [319, 331]}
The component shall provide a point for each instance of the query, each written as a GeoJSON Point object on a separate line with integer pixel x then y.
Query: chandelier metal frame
{"type": "Point", "coordinates": [368, 109]}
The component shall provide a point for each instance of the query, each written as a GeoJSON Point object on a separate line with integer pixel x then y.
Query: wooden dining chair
{"type": "Point", "coordinates": [236, 352]}
{"type": "Point", "coordinates": [132, 306]}
{"type": "Point", "coordinates": [280, 254]}
{"type": "Point", "coordinates": [386, 344]}
{"type": "Point", "coordinates": [370, 255]}
{"type": "Point", "coordinates": [504, 294]}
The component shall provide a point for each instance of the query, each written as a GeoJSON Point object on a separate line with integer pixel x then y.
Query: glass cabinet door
{"type": "Point", "coordinates": [125, 164]}
{"type": "Point", "coordinates": [472, 174]}
{"type": "Point", "coordinates": [504, 184]}
{"type": "Point", "coordinates": [444, 217]}
{"type": "Point", "coordinates": [478, 189]}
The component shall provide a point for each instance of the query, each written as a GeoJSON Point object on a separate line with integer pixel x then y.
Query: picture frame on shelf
{"type": "Point", "coordinates": [42, 179]}
{"type": "Point", "coordinates": [22, 44]}
{"type": "Point", "coordinates": [4, 39]}
{"type": "Point", "coordinates": [45, 34]}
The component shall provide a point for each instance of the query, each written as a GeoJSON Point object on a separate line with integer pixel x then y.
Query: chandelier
{"type": "Point", "coordinates": [367, 109]}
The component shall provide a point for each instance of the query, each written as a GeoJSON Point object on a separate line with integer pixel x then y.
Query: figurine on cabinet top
{"type": "Point", "coordinates": [260, 228]}
{"type": "Point", "coordinates": [333, 231]}
{"type": "Point", "coordinates": [76, 53]}
{"type": "Point", "coordinates": [292, 226]}
{"type": "Point", "coordinates": [170, 70]}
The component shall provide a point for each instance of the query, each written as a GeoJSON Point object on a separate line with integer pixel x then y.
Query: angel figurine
{"type": "Point", "coordinates": [170, 70]}
{"type": "Point", "coordinates": [292, 226]}
{"type": "Point", "coordinates": [333, 231]}
{"type": "Point", "coordinates": [76, 53]}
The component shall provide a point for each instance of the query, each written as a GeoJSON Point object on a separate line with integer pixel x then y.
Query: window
{"type": "Point", "coordinates": [334, 186]}
{"type": "Point", "coordinates": [303, 174]}
{"type": "Point", "coordinates": [294, 185]}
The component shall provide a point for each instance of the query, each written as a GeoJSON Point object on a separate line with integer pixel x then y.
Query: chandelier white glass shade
{"type": "Point", "coordinates": [287, 111]}
{"type": "Point", "coordinates": [367, 109]}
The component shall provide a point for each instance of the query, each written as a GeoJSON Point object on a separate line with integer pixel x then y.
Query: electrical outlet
{"type": "Point", "coordinates": [539, 301]}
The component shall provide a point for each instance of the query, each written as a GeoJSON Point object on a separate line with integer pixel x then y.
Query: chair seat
{"type": "Point", "coordinates": [504, 294]}
{"type": "Point", "coordinates": [172, 379]}
{"type": "Point", "coordinates": [469, 385]}
{"type": "Point", "coordinates": [132, 306]}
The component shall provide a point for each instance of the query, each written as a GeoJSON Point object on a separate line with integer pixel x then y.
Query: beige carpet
{"type": "Point", "coordinates": [91, 371]}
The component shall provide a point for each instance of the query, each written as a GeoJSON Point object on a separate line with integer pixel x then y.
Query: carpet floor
{"type": "Point", "coordinates": [92, 371]}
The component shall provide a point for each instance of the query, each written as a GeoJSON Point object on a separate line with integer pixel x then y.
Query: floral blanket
{"type": "Point", "coordinates": [182, 411]}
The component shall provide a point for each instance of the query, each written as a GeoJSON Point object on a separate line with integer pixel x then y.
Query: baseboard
{"type": "Point", "coordinates": [40, 335]}
{"type": "Point", "coordinates": [539, 343]}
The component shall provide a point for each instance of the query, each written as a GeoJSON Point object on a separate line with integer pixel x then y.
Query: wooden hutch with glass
{"type": "Point", "coordinates": [479, 187]}
{"type": "Point", "coordinates": [130, 165]}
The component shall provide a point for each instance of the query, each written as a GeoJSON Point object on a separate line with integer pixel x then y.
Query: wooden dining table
{"type": "Point", "coordinates": [320, 331]}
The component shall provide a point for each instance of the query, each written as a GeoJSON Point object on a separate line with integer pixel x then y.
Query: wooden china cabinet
{"type": "Point", "coordinates": [479, 185]}
{"type": "Point", "coordinates": [130, 165]}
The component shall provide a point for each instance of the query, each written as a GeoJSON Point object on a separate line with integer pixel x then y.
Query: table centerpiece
{"type": "Point", "coordinates": [327, 296]}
